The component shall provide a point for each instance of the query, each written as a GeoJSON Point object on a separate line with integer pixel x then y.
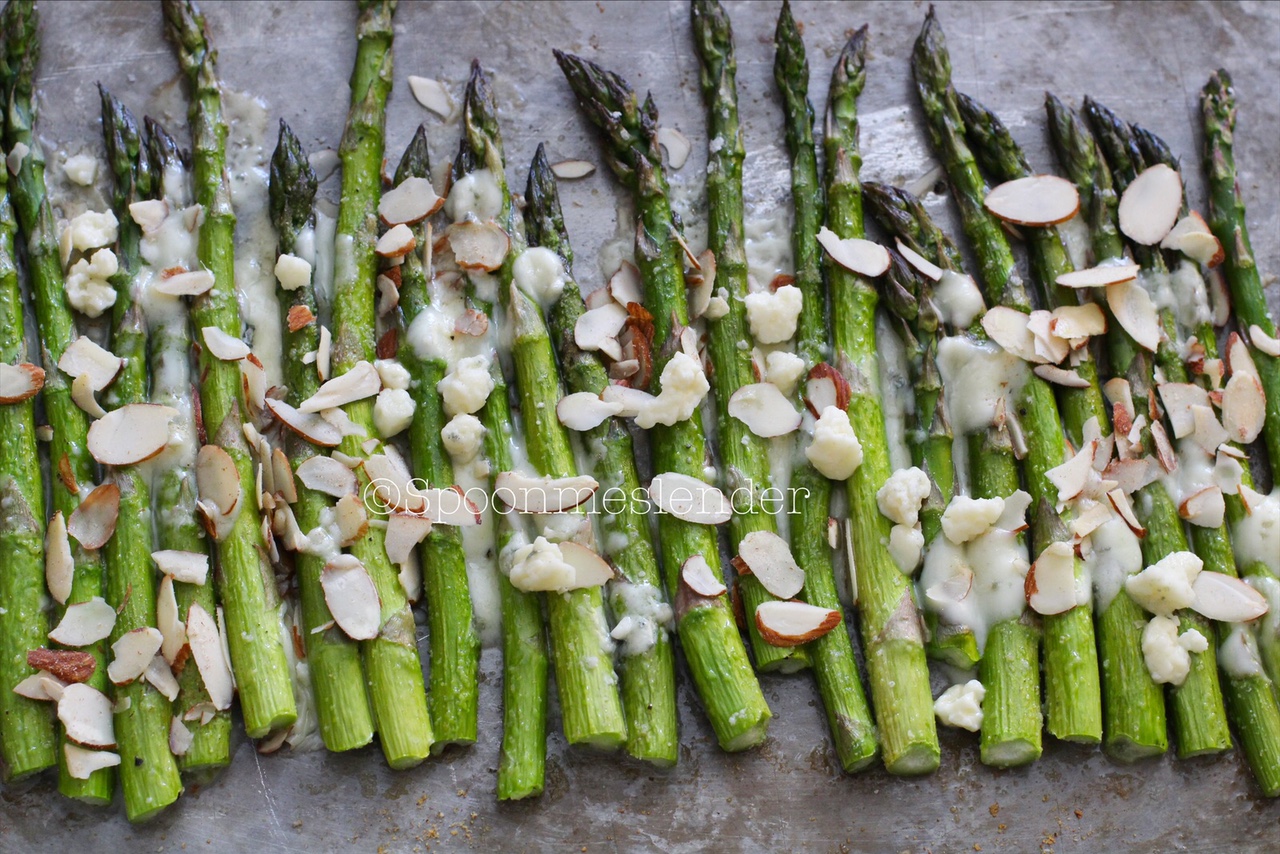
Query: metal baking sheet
{"type": "Point", "coordinates": [1147, 60]}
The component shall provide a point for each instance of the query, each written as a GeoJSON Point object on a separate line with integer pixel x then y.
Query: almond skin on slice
{"type": "Point", "coordinates": [69, 665]}
{"type": "Point", "coordinates": [1150, 205]}
{"type": "Point", "coordinates": [863, 257]}
{"type": "Point", "coordinates": [217, 479]}
{"type": "Point", "coordinates": [696, 573]}
{"type": "Point", "coordinates": [826, 386]}
{"type": "Point", "coordinates": [397, 242]}
{"type": "Point", "coordinates": [356, 384]}
{"type": "Point", "coordinates": [526, 494]}
{"type": "Point", "coordinates": [131, 434]}
{"type": "Point", "coordinates": [352, 520]}
{"type": "Point", "coordinates": [589, 568]}
{"type": "Point", "coordinates": [352, 597]}
{"type": "Point", "coordinates": [94, 522]}
{"type": "Point", "coordinates": [412, 200]}
{"type": "Point", "coordinates": [1050, 585]}
{"type": "Point", "coordinates": [172, 629]}
{"type": "Point", "coordinates": [1206, 508]}
{"type": "Point", "coordinates": [765, 410]}
{"type": "Point", "coordinates": [20, 382]}
{"type": "Point", "coordinates": [309, 425]}
{"type": "Point", "coordinates": [690, 499]}
{"type": "Point", "coordinates": [791, 623]}
{"type": "Point", "coordinates": [1036, 200]}
{"type": "Point", "coordinates": [478, 245]}
{"type": "Point", "coordinates": [1229, 600]}
{"type": "Point", "coordinates": [768, 557]}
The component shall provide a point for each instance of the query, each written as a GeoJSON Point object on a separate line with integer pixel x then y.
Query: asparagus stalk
{"type": "Point", "coordinates": [1227, 219]}
{"type": "Point", "coordinates": [333, 659]}
{"type": "Point", "coordinates": [834, 664]}
{"type": "Point", "coordinates": [891, 635]}
{"type": "Point", "coordinates": [27, 743]}
{"type": "Point", "coordinates": [712, 646]}
{"type": "Point", "coordinates": [250, 601]}
{"type": "Point", "coordinates": [67, 449]}
{"type": "Point", "coordinates": [1199, 716]}
{"type": "Point", "coordinates": [392, 666]}
{"type": "Point", "coordinates": [455, 647]}
{"type": "Point", "coordinates": [744, 456]}
{"type": "Point", "coordinates": [647, 675]}
{"type": "Point", "coordinates": [173, 486]}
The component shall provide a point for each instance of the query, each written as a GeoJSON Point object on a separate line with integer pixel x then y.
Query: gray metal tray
{"type": "Point", "coordinates": [1146, 60]}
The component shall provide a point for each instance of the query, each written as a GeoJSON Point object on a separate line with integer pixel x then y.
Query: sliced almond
{"type": "Point", "coordinates": [696, 573]}
{"type": "Point", "coordinates": [404, 533]}
{"type": "Point", "coordinates": [180, 738]}
{"type": "Point", "coordinates": [59, 567]}
{"type": "Point", "coordinates": [1164, 448]}
{"type": "Point", "coordinates": [1239, 360]}
{"type": "Point", "coordinates": [1134, 311]}
{"type": "Point", "coordinates": [569, 170]}
{"type": "Point", "coordinates": [431, 94]}
{"type": "Point", "coordinates": [449, 506]}
{"type": "Point", "coordinates": [1207, 432]}
{"type": "Point", "coordinates": [85, 358]}
{"type": "Point", "coordinates": [923, 265]}
{"type": "Point", "coordinates": [598, 328]}
{"type": "Point", "coordinates": [1099, 277]}
{"type": "Point", "coordinates": [1074, 322]}
{"type": "Point", "coordinates": [300, 316]}
{"type": "Point", "coordinates": [1050, 585]}
{"type": "Point", "coordinates": [1049, 347]}
{"type": "Point", "coordinates": [765, 410]}
{"type": "Point", "coordinates": [690, 499]}
{"type": "Point", "coordinates": [790, 623]}
{"type": "Point", "coordinates": [253, 377]}
{"type": "Point", "coordinates": [1036, 200]}
{"type": "Point", "coordinates": [190, 283]}
{"type": "Point", "coordinates": [160, 676]}
{"type": "Point", "coordinates": [525, 494]}
{"type": "Point", "coordinates": [1150, 204]}
{"type": "Point", "coordinates": [131, 434]}
{"type": "Point", "coordinates": [597, 298]}
{"type": "Point", "coordinates": [217, 479]}
{"type": "Point", "coordinates": [324, 353]}
{"type": "Point", "coordinates": [172, 629]}
{"type": "Point", "coordinates": [1265, 343]}
{"type": "Point", "coordinates": [352, 597]}
{"type": "Point", "coordinates": [1206, 508]}
{"type": "Point", "coordinates": [132, 653]}
{"type": "Point", "coordinates": [224, 347]}
{"type": "Point", "coordinates": [149, 214]}
{"type": "Point", "coordinates": [472, 323]}
{"type": "Point", "coordinates": [1244, 407]}
{"type": "Point", "coordinates": [67, 665]}
{"type": "Point", "coordinates": [1226, 599]}
{"type": "Point", "coordinates": [1060, 376]}
{"type": "Point", "coordinates": [187, 567]}
{"type": "Point", "coordinates": [589, 568]}
{"type": "Point", "coordinates": [478, 245]}
{"type": "Point", "coordinates": [1191, 236]}
{"type": "Point", "coordinates": [863, 257]}
{"type": "Point", "coordinates": [676, 144]}
{"type": "Point", "coordinates": [207, 649]}
{"type": "Point", "coordinates": [86, 716]}
{"type": "Point", "coordinates": [1070, 477]}
{"type": "Point", "coordinates": [361, 382]}
{"type": "Point", "coordinates": [327, 475]}
{"type": "Point", "coordinates": [82, 763]}
{"type": "Point", "coordinates": [282, 482]}
{"type": "Point", "coordinates": [826, 387]}
{"type": "Point", "coordinates": [412, 200]}
{"type": "Point", "coordinates": [397, 242]}
{"type": "Point", "coordinates": [1009, 328]}
{"type": "Point", "coordinates": [1088, 520]}
{"type": "Point", "coordinates": [584, 411]}
{"type": "Point", "coordinates": [768, 557]}
{"type": "Point", "coordinates": [1178, 399]}
{"type": "Point", "coordinates": [1120, 501]}
{"type": "Point", "coordinates": [94, 522]}
{"type": "Point", "coordinates": [84, 623]}
{"type": "Point", "coordinates": [20, 382]}
{"type": "Point", "coordinates": [352, 520]}
{"type": "Point", "coordinates": [626, 286]}
{"type": "Point", "coordinates": [310, 426]}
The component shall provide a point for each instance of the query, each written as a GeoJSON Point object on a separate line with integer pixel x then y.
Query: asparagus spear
{"type": "Point", "coordinates": [647, 674]}
{"type": "Point", "coordinates": [1226, 218]}
{"type": "Point", "coordinates": [333, 659]}
{"type": "Point", "coordinates": [27, 744]}
{"type": "Point", "coordinates": [1199, 717]}
{"type": "Point", "coordinates": [392, 666]}
{"type": "Point", "coordinates": [174, 482]}
{"type": "Point", "coordinates": [67, 449]}
{"type": "Point", "coordinates": [834, 666]}
{"type": "Point", "coordinates": [249, 599]}
{"type": "Point", "coordinates": [744, 456]}
{"type": "Point", "coordinates": [717, 657]}
{"type": "Point", "coordinates": [455, 647]}
{"type": "Point", "coordinates": [891, 635]}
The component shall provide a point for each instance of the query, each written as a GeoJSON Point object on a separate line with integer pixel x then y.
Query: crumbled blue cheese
{"type": "Point", "coordinates": [540, 566]}
{"type": "Point", "coordinates": [81, 169]}
{"type": "Point", "coordinates": [961, 705]}
{"type": "Point", "coordinates": [773, 316]}
{"type": "Point", "coordinates": [292, 272]}
{"type": "Point", "coordinates": [906, 545]}
{"type": "Point", "coordinates": [784, 369]}
{"type": "Point", "coordinates": [392, 411]}
{"type": "Point", "coordinates": [465, 389]}
{"type": "Point", "coordinates": [902, 494]}
{"type": "Point", "coordinates": [88, 287]}
{"type": "Point", "coordinates": [392, 373]}
{"type": "Point", "coordinates": [463, 438]}
{"type": "Point", "coordinates": [92, 229]}
{"type": "Point", "coordinates": [966, 518]}
{"type": "Point", "coordinates": [1167, 660]}
{"type": "Point", "coordinates": [835, 450]}
{"type": "Point", "coordinates": [1165, 586]}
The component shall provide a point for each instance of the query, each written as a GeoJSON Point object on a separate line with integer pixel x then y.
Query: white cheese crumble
{"type": "Point", "coordinates": [1257, 535]}
{"type": "Point", "coordinates": [540, 566]}
{"type": "Point", "coordinates": [773, 316]}
{"type": "Point", "coordinates": [1165, 586]}
{"type": "Point", "coordinates": [539, 272]}
{"type": "Point", "coordinates": [293, 272]}
{"type": "Point", "coordinates": [645, 616]}
{"type": "Point", "coordinates": [906, 544]}
{"type": "Point", "coordinates": [966, 518]}
{"type": "Point", "coordinates": [961, 705]}
{"type": "Point", "coordinates": [463, 437]}
{"type": "Point", "coordinates": [1167, 660]}
{"type": "Point", "coordinates": [784, 369]}
{"type": "Point", "coordinates": [88, 289]}
{"type": "Point", "coordinates": [684, 385]}
{"type": "Point", "coordinates": [902, 494]}
{"type": "Point", "coordinates": [835, 450]}
{"type": "Point", "coordinates": [392, 373]}
{"type": "Point", "coordinates": [958, 299]}
{"type": "Point", "coordinates": [465, 389]}
{"type": "Point", "coordinates": [392, 411]}
{"type": "Point", "coordinates": [475, 196]}
{"type": "Point", "coordinates": [92, 229]}
{"type": "Point", "coordinates": [81, 169]}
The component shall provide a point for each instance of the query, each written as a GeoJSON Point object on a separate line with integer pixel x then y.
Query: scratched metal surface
{"type": "Point", "coordinates": [1145, 60]}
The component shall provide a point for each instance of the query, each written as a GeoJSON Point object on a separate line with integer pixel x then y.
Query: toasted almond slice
{"type": "Point", "coordinates": [397, 242]}
{"type": "Point", "coordinates": [66, 665]}
{"type": "Point", "coordinates": [1244, 408]}
{"type": "Point", "coordinates": [42, 687]}
{"type": "Point", "coordinates": [1078, 321]}
{"type": "Point", "coordinates": [84, 623]}
{"type": "Point", "coordinates": [20, 382]}
{"type": "Point", "coordinates": [1120, 501]}
{"type": "Point", "coordinates": [1133, 310]}
{"type": "Point", "coordinates": [569, 170]}
{"type": "Point", "coordinates": [94, 521]}
{"type": "Point", "coordinates": [589, 568]}
{"type": "Point", "coordinates": [826, 387]}
{"type": "Point", "coordinates": [1192, 237]}
{"type": "Point", "coordinates": [217, 479]}
{"type": "Point", "coordinates": [584, 411]}
{"type": "Point", "coordinates": [85, 358]}
{"type": "Point", "coordinates": [1178, 400]}
{"type": "Point", "coordinates": [82, 763]}
{"type": "Point", "coordinates": [327, 475]}
{"type": "Point", "coordinates": [690, 499]}
{"type": "Point", "coordinates": [431, 94]}
{"type": "Point", "coordinates": [765, 410]}
{"type": "Point", "coordinates": [1088, 520]}
{"type": "Point", "coordinates": [598, 328]}
{"type": "Point", "coordinates": [132, 653]}
{"type": "Point", "coordinates": [1207, 433]}
{"type": "Point", "coordinates": [59, 567]}
{"type": "Point", "coordinates": [597, 298]}
{"type": "Point", "coordinates": [1049, 347]}
{"type": "Point", "coordinates": [1226, 599]}
{"type": "Point", "coordinates": [86, 716]}
{"type": "Point", "coordinates": [393, 486]}
{"type": "Point", "coordinates": [1036, 200]}
{"type": "Point", "coordinates": [1150, 204]}
{"type": "Point", "coordinates": [160, 675]}
{"type": "Point", "coordinates": [626, 286]}
{"type": "Point", "coordinates": [472, 323]}
{"type": "Point", "coordinates": [352, 597]}
{"type": "Point", "coordinates": [131, 434]}
{"type": "Point", "coordinates": [863, 257]}
{"type": "Point", "coordinates": [404, 533]}
{"type": "Point", "coordinates": [352, 520]}
{"type": "Point", "coordinates": [1098, 277]}
{"type": "Point", "coordinates": [180, 738]}
{"type": "Point", "coordinates": [696, 573]}
{"type": "Point", "coordinates": [1009, 328]}
{"type": "Point", "coordinates": [791, 623]}
{"type": "Point", "coordinates": [254, 379]}
{"type": "Point", "coordinates": [1239, 360]}
{"type": "Point", "coordinates": [478, 245]}
{"type": "Point", "coordinates": [190, 283]}
{"type": "Point", "coordinates": [187, 567]}
{"type": "Point", "coordinates": [310, 426]}
{"type": "Point", "coordinates": [1070, 477]}
{"type": "Point", "coordinates": [282, 482]}
{"type": "Point", "coordinates": [360, 382]}
{"type": "Point", "coordinates": [1164, 448]}
{"type": "Point", "coordinates": [1050, 585]}
{"type": "Point", "coordinates": [701, 284]}
{"type": "Point", "coordinates": [300, 316]}
{"type": "Point", "coordinates": [526, 494]}
{"type": "Point", "coordinates": [149, 214]}
{"type": "Point", "coordinates": [172, 629]}
{"type": "Point", "coordinates": [223, 346]}
{"type": "Point", "coordinates": [1014, 515]}
{"type": "Point", "coordinates": [206, 648]}
{"type": "Point", "coordinates": [1060, 376]}
{"type": "Point", "coordinates": [1206, 508]}
{"type": "Point", "coordinates": [677, 145]}
{"type": "Point", "coordinates": [923, 265]}
{"type": "Point", "coordinates": [82, 396]}
{"type": "Point", "coordinates": [768, 557]}
{"type": "Point", "coordinates": [1265, 343]}
{"type": "Point", "coordinates": [412, 200]}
